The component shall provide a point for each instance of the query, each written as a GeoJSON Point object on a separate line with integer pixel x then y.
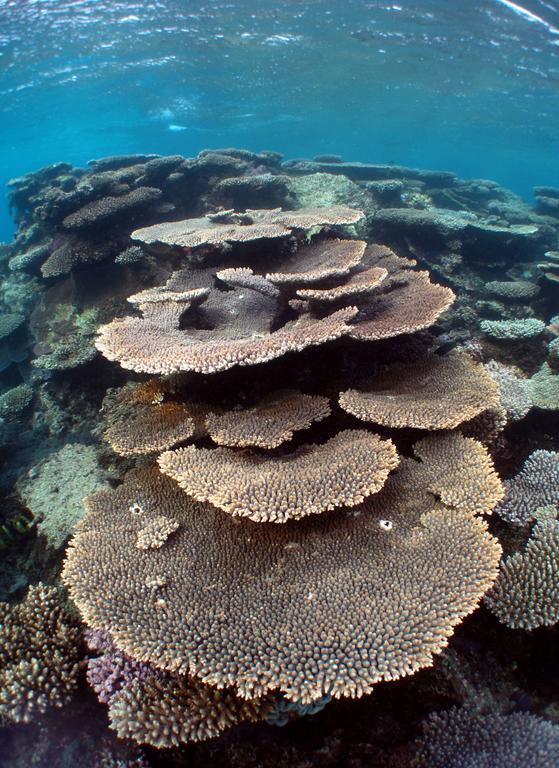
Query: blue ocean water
{"type": "Point", "coordinates": [469, 86]}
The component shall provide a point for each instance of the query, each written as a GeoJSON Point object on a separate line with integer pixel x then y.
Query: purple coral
{"type": "Point", "coordinates": [112, 670]}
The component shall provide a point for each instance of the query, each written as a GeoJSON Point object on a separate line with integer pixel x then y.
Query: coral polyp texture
{"type": "Point", "coordinates": [536, 485]}
{"type": "Point", "coordinates": [39, 654]}
{"type": "Point", "coordinates": [434, 393]}
{"type": "Point", "coordinates": [269, 423]}
{"type": "Point", "coordinates": [321, 260]}
{"type": "Point", "coordinates": [464, 737]}
{"type": "Point", "coordinates": [151, 346]}
{"type": "Point", "coordinates": [158, 708]}
{"type": "Point", "coordinates": [218, 611]}
{"type": "Point", "coordinates": [451, 469]}
{"type": "Point", "coordinates": [166, 711]}
{"type": "Point", "coordinates": [341, 472]}
{"type": "Point", "coordinates": [409, 304]}
{"type": "Point", "coordinates": [359, 283]}
{"type": "Point", "coordinates": [526, 593]}
{"type": "Point", "coordinates": [152, 428]}
{"type": "Point", "coordinates": [460, 471]}
{"type": "Point", "coordinates": [232, 227]}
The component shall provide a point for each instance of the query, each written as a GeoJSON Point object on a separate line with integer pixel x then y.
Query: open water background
{"type": "Point", "coordinates": [464, 85]}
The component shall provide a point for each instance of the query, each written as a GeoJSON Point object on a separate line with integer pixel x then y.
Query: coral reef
{"type": "Point", "coordinates": [341, 472]}
{"type": "Point", "coordinates": [230, 316]}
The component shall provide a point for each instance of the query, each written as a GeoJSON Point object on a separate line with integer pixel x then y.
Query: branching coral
{"type": "Point", "coordinates": [513, 330]}
{"type": "Point", "coordinates": [514, 390]}
{"type": "Point", "coordinates": [39, 652]}
{"type": "Point", "coordinates": [168, 711]}
{"type": "Point", "coordinates": [462, 737]}
{"type": "Point", "coordinates": [526, 593]}
{"type": "Point", "coordinates": [536, 485]}
{"type": "Point", "coordinates": [158, 708]}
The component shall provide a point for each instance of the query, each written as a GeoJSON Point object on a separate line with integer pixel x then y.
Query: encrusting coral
{"type": "Point", "coordinates": [54, 489]}
{"type": "Point", "coordinates": [434, 393]}
{"type": "Point", "coordinates": [39, 654]}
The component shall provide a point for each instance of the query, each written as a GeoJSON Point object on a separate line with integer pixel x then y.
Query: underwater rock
{"type": "Point", "coordinates": [64, 335]}
{"type": "Point", "coordinates": [113, 162]}
{"type": "Point", "coordinates": [318, 189]}
{"type": "Point", "coordinates": [261, 190]}
{"type": "Point", "coordinates": [371, 172]}
{"type": "Point", "coordinates": [55, 488]}
{"type": "Point", "coordinates": [547, 200]}
{"type": "Point", "coordinates": [386, 194]}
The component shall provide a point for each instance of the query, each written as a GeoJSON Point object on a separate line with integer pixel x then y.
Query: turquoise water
{"type": "Point", "coordinates": [465, 86]}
